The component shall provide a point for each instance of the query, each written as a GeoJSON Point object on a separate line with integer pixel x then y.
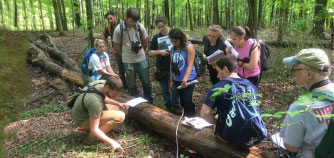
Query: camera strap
{"type": "Point", "coordinates": [127, 30]}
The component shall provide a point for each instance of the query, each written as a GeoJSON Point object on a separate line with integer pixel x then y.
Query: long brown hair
{"type": "Point", "coordinates": [239, 30]}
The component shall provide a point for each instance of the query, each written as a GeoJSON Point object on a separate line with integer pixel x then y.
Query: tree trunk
{"type": "Point", "coordinates": [252, 17]}
{"type": "Point", "coordinates": [228, 16]}
{"type": "Point", "coordinates": [40, 9]}
{"type": "Point", "coordinates": [58, 18]}
{"type": "Point", "coordinates": [51, 17]}
{"type": "Point", "coordinates": [72, 9]}
{"type": "Point", "coordinates": [62, 8]}
{"type": "Point", "coordinates": [25, 16]}
{"type": "Point", "coordinates": [272, 12]}
{"type": "Point", "coordinates": [147, 15]}
{"type": "Point", "coordinates": [166, 10]}
{"type": "Point", "coordinates": [110, 5]}
{"type": "Point", "coordinates": [33, 15]}
{"type": "Point", "coordinates": [1, 9]}
{"type": "Point", "coordinates": [76, 9]}
{"type": "Point", "coordinates": [123, 11]}
{"type": "Point", "coordinates": [190, 16]}
{"type": "Point", "coordinates": [282, 20]}
{"type": "Point", "coordinates": [172, 23]}
{"type": "Point", "coordinates": [15, 14]}
{"type": "Point", "coordinates": [215, 12]}
{"type": "Point", "coordinates": [259, 19]}
{"type": "Point", "coordinates": [319, 18]}
{"type": "Point", "coordinates": [90, 26]}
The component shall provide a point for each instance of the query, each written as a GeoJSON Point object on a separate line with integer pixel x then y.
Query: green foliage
{"type": "Point", "coordinates": [43, 111]}
{"type": "Point", "coordinates": [219, 91]}
{"type": "Point", "coordinates": [145, 139]}
{"type": "Point", "coordinates": [183, 156]}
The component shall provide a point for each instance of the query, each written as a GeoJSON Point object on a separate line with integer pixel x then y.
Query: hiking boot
{"type": "Point", "coordinates": [90, 140]}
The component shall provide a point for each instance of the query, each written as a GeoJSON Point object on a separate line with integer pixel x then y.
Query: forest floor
{"type": "Point", "coordinates": [48, 95]}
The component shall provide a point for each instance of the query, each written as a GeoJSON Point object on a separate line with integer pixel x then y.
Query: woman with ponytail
{"type": "Point", "coordinates": [248, 59]}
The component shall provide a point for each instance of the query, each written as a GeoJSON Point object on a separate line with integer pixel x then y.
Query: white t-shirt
{"type": "Point", "coordinates": [98, 63]}
{"type": "Point", "coordinates": [129, 56]}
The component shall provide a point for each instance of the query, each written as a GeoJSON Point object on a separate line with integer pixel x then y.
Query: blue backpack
{"type": "Point", "coordinates": [85, 62]}
{"type": "Point", "coordinates": [242, 125]}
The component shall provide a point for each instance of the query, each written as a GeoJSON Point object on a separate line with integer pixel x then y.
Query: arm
{"type": "Point", "coordinates": [190, 60]}
{"type": "Point", "coordinates": [118, 48]}
{"type": "Point", "coordinates": [108, 100]}
{"type": "Point", "coordinates": [254, 60]}
{"type": "Point", "coordinates": [145, 43]}
{"type": "Point", "coordinates": [96, 131]}
{"type": "Point", "coordinates": [170, 73]}
{"type": "Point", "coordinates": [163, 52]}
{"type": "Point", "coordinates": [291, 148]}
{"type": "Point", "coordinates": [206, 114]}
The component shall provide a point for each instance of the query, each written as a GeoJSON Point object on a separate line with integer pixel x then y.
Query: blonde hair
{"type": "Point", "coordinates": [217, 29]}
{"type": "Point", "coordinates": [97, 42]}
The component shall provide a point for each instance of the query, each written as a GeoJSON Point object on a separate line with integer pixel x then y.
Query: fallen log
{"type": "Point", "coordinates": [162, 122]}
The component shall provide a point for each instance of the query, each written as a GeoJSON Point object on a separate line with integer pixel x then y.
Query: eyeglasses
{"type": "Point", "coordinates": [293, 70]}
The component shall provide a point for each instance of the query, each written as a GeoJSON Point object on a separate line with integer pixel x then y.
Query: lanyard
{"type": "Point", "coordinates": [320, 84]}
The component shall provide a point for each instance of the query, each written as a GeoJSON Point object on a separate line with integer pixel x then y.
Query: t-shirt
{"type": "Point", "coordinates": [244, 53]}
{"type": "Point", "coordinates": [94, 103]}
{"type": "Point", "coordinates": [306, 130]}
{"type": "Point", "coordinates": [98, 63]}
{"type": "Point", "coordinates": [180, 57]}
{"type": "Point", "coordinates": [129, 56]}
{"type": "Point", "coordinates": [162, 62]}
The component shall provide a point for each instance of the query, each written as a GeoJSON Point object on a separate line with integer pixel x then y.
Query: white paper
{"type": "Point", "coordinates": [277, 139]}
{"type": "Point", "coordinates": [196, 122]}
{"type": "Point", "coordinates": [134, 102]}
{"type": "Point", "coordinates": [214, 55]}
{"type": "Point", "coordinates": [189, 83]}
{"type": "Point", "coordinates": [234, 52]}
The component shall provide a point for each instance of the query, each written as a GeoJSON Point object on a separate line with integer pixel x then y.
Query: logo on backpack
{"type": "Point", "coordinates": [242, 125]}
{"type": "Point", "coordinates": [265, 54]}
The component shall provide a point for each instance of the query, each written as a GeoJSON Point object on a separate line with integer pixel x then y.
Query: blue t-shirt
{"type": "Point", "coordinates": [180, 57]}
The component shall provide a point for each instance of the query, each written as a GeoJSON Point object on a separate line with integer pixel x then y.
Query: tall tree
{"type": "Point", "coordinates": [228, 15]}
{"type": "Point", "coordinates": [252, 17]}
{"type": "Point", "coordinates": [215, 12]}
{"type": "Point", "coordinates": [32, 8]}
{"type": "Point", "coordinates": [259, 19]}
{"type": "Point", "coordinates": [272, 12]}
{"type": "Point", "coordinates": [15, 14]}
{"type": "Point", "coordinates": [172, 22]}
{"type": "Point", "coordinates": [110, 5]}
{"type": "Point", "coordinates": [283, 19]}
{"type": "Point", "coordinates": [1, 9]}
{"type": "Point", "coordinates": [63, 14]}
{"type": "Point", "coordinates": [50, 17]}
{"type": "Point", "coordinates": [319, 18]}
{"type": "Point", "coordinates": [58, 18]}
{"type": "Point", "coordinates": [190, 16]}
{"type": "Point", "coordinates": [147, 15]}
{"type": "Point", "coordinates": [25, 16]}
{"type": "Point", "coordinates": [41, 11]}
{"type": "Point", "coordinates": [72, 6]}
{"type": "Point", "coordinates": [90, 26]}
{"type": "Point", "coordinates": [166, 6]}
{"type": "Point", "coordinates": [76, 9]}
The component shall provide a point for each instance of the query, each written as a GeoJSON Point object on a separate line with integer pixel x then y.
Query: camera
{"type": "Point", "coordinates": [244, 60]}
{"type": "Point", "coordinates": [175, 69]}
{"type": "Point", "coordinates": [135, 46]}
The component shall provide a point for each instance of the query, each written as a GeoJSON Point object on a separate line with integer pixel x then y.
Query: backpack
{"type": "Point", "coordinates": [242, 125]}
{"type": "Point", "coordinates": [84, 66]}
{"type": "Point", "coordinates": [265, 54]}
{"type": "Point", "coordinates": [199, 63]}
{"type": "Point", "coordinates": [325, 148]}
{"type": "Point", "coordinates": [91, 89]}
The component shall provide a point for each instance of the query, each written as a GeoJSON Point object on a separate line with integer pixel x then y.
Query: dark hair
{"type": "Point", "coordinates": [178, 35]}
{"type": "Point", "coordinates": [133, 13]}
{"type": "Point", "coordinates": [228, 61]}
{"type": "Point", "coordinates": [109, 13]}
{"type": "Point", "coordinates": [161, 19]}
{"type": "Point", "coordinates": [238, 30]}
{"type": "Point", "coordinates": [114, 83]}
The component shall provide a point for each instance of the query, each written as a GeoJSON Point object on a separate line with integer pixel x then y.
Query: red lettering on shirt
{"type": "Point", "coordinates": [324, 111]}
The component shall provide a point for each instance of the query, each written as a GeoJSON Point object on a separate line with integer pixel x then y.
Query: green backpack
{"type": "Point", "coordinates": [326, 146]}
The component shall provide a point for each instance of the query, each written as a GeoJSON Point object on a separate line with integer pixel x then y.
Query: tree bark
{"type": "Point", "coordinates": [58, 18]}
{"type": "Point", "coordinates": [228, 15]}
{"type": "Point", "coordinates": [41, 13]}
{"type": "Point", "coordinates": [252, 17]}
{"type": "Point", "coordinates": [76, 9]}
{"type": "Point", "coordinates": [319, 18]}
{"type": "Point", "coordinates": [147, 15]}
{"type": "Point", "coordinates": [190, 16]}
{"type": "Point", "coordinates": [259, 19]}
{"type": "Point", "coordinates": [172, 23]}
{"type": "Point", "coordinates": [33, 15]}
{"type": "Point", "coordinates": [50, 17]}
{"type": "Point", "coordinates": [15, 14]}
{"type": "Point", "coordinates": [166, 9]}
{"type": "Point", "coordinates": [1, 9]}
{"type": "Point", "coordinates": [72, 9]}
{"type": "Point", "coordinates": [90, 26]}
{"type": "Point", "coordinates": [63, 14]}
{"type": "Point", "coordinates": [25, 16]}
{"type": "Point", "coordinates": [283, 20]}
{"type": "Point", "coordinates": [215, 12]}
{"type": "Point", "coordinates": [272, 12]}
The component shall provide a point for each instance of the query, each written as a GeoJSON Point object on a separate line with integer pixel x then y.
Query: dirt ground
{"type": "Point", "coordinates": [46, 89]}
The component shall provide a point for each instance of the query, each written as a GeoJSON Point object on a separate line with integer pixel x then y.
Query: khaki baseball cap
{"type": "Point", "coordinates": [313, 57]}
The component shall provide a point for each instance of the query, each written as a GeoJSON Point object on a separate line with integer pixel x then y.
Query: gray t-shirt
{"type": "Point", "coordinates": [306, 130]}
{"type": "Point", "coordinates": [92, 102]}
{"type": "Point", "coordinates": [129, 56]}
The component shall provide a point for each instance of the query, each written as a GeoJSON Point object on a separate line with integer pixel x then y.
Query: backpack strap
{"type": "Point", "coordinates": [91, 89]}
{"type": "Point", "coordinates": [254, 45]}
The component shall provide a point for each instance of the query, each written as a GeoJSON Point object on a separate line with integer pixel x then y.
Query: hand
{"type": "Point", "coordinates": [229, 50]}
{"type": "Point", "coordinates": [164, 52]}
{"type": "Point", "coordinates": [115, 75]}
{"type": "Point", "coordinates": [116, 146]}
{"type": "Point", "coordinates": [124, 106]}
{"type": "Point", "coordinates": [240, 63]}
{"type": "Point", "coordinates": [171, 86]}
{"type": "Point", "coordinates": [184, 84]}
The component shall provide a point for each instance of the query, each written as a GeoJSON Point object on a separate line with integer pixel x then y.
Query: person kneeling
{"type": "Point", "coordinates": [239, 122]}
{"type": "Point", "coordinates": [98, 113]}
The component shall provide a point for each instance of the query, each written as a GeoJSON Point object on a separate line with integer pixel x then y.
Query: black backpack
{"type": "Point", "coordinates": [265, 53]}
{"type": "Point", "coordinates": [91, 89]}
{"type": "Point", "coordinates": [199, 63]}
